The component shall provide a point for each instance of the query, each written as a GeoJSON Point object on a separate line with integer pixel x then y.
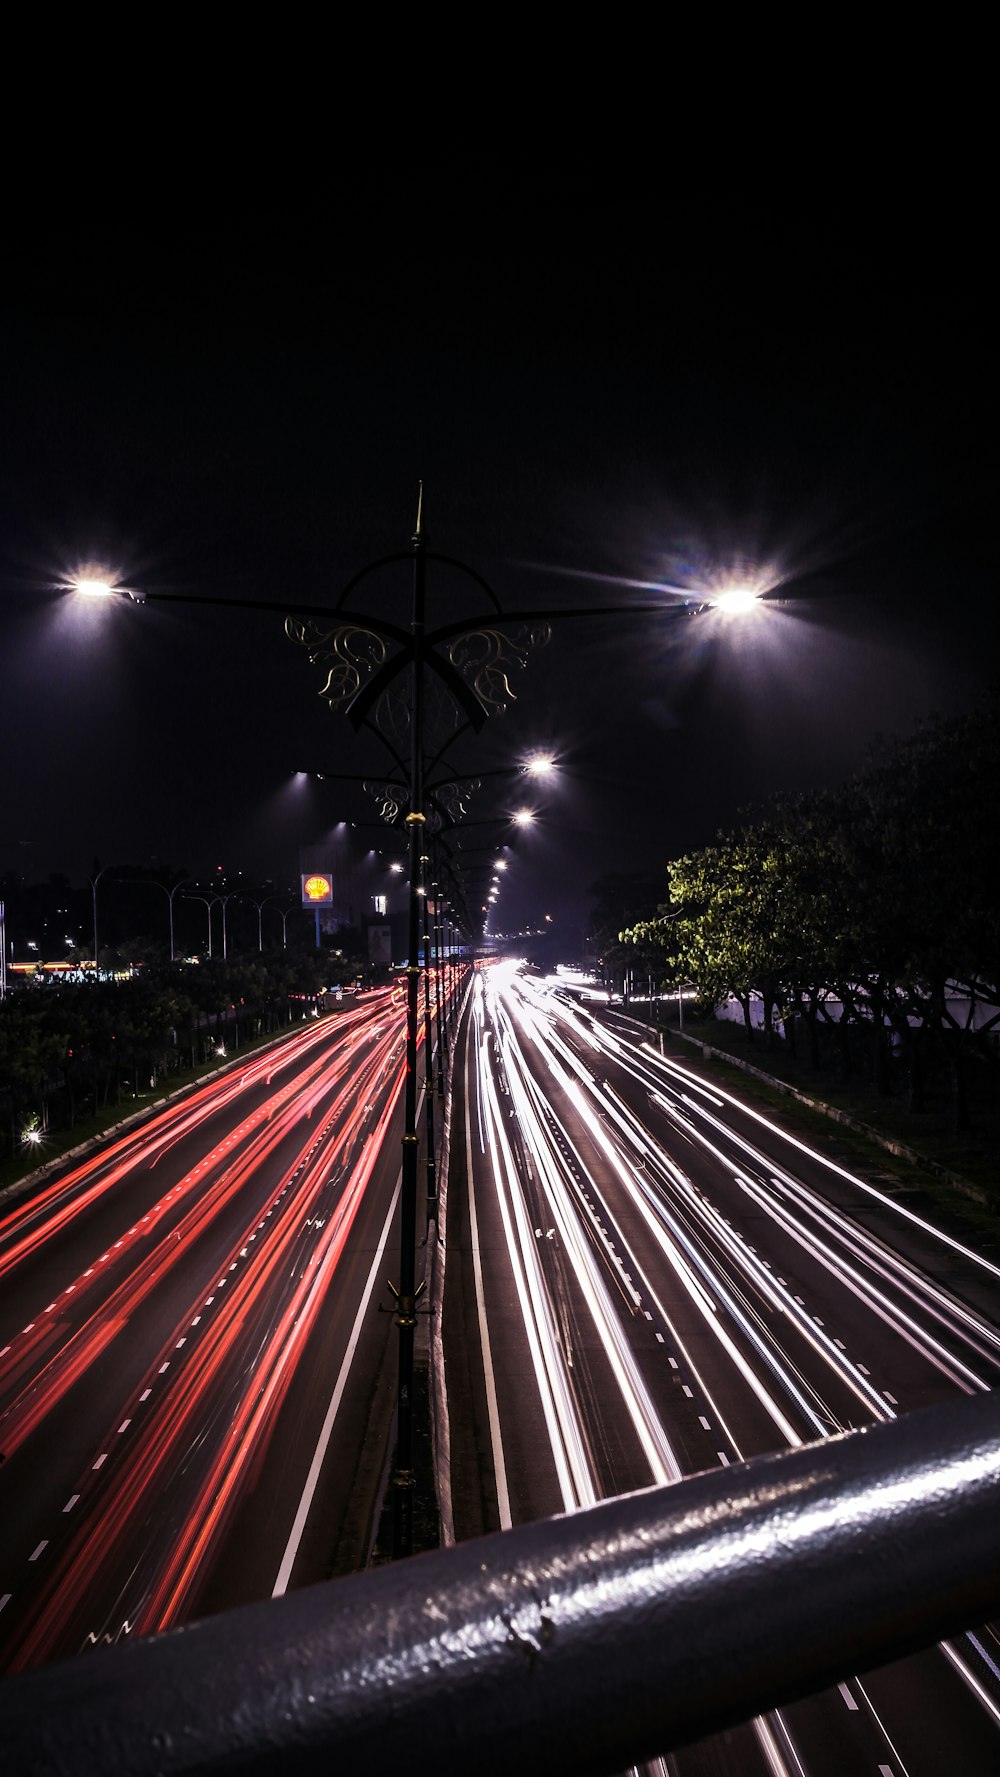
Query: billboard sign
{"type": "Point", "coordinates": [317, 890]}
{"type": "Point", "coordinates": [380, 944]}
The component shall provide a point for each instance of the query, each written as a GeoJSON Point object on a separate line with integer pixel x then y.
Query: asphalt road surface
{"type": "Point", "coordinates": [196, 1386]}
{"type": "Point", "coordinates": [647, 1279]}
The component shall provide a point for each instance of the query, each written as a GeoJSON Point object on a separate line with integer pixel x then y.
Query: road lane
{"type": "Point", "coordinates": [738, 1308]}
{"type": "Point", "coordinates": [176, 1291]}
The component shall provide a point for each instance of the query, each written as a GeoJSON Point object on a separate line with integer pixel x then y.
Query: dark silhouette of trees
{"type": "Point", "coordinates": [870, 912]}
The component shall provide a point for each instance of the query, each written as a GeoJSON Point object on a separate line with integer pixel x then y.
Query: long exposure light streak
{"type": "Point", "coordinates": [536, 1123]}
{"type": "Point", "coordinates": [246, 1243]}
{"type": "Point", "coordinates": [582, 1143]}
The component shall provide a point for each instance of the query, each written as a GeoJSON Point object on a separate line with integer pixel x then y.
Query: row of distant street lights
{"type": "Point", "coordinates": [375, 666]}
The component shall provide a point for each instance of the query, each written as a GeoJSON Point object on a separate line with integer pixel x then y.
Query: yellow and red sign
{"type": "Point", "coordinates": [317, 890]}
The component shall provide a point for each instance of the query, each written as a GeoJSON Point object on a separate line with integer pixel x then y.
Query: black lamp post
{"type": "Point", "coordinates": [468, 662]}
{"type": "Point", "coordinates": [359, 642]}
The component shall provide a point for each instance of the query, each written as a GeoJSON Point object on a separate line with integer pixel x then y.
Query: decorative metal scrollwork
{"type": "Point", "coordinates": [390, 799]}
{"type": "Point", "coordinates": [351, 654]}
{"type": "Point", "coordinates": [455, 798]}
{"type": "Point", "coordinates": [486, 657]}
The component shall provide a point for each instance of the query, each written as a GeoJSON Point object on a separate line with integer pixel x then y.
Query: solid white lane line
{"type": "Point", "coordinates": [492, 1405]}
{"type": "Point", "coordinates": [319, 1454]}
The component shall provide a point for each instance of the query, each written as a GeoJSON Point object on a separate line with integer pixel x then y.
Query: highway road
{"type": "Point", "coordinates": [196, 1386]}
{"type": "Point", "coordinates": [647, 1279]}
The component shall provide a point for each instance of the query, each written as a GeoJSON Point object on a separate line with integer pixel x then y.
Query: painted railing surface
{"type": "Point", "coordinates": [577, 1645]}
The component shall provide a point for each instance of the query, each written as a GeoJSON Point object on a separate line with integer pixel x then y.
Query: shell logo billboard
{"type": "Point", "coordinates": [317, 890]}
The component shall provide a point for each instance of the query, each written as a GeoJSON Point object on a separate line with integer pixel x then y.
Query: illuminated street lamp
{"type": "Point", "coordinates": [733, 601]}
{"type": "Point", "coordinates": [391, 679]}
{"type": "Point", "coordinates": [540, 765]}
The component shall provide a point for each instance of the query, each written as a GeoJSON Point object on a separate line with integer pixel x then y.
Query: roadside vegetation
{"type": "Point", "coordinates": [76, 1059]}
{"type": "Point", "coordinates": [858, 930]}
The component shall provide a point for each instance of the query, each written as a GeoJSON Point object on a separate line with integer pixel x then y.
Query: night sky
{"type": "Point", "coordinates": [605, 387]}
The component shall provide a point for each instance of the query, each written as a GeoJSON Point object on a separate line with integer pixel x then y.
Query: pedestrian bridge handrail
{"type": "Point", "coordinates": [578, 1645]}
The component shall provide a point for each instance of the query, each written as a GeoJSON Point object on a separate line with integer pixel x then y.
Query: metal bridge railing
{"type": "Point", "coordinates": [577, 1645]}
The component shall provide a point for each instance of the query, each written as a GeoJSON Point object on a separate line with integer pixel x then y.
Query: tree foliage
{"type": "Point", "coordinates": [68, 1050]}
{"type": "Point", "coordinates": [878, 899]}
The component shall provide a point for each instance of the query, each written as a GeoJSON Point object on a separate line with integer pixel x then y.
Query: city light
{"type": "Point", "coordinates": [734, 600]}
{"type": "Point", "coordinates": [94, 588]}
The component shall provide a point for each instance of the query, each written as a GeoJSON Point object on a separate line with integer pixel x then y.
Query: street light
{"type": "Point", "coordinates": [733, 601]}
{"type": "Point", "coordinates": [466, 666]}
{"type": "Point", "coordinates": [150, 882]}
{"type": "Point", "coordinates": [260, 905]}
{"type": "Point", "coordinates": [210, 901]}
{"type": "Point", "coordinates": [94, 880]}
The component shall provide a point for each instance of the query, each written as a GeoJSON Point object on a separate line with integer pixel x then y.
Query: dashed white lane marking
{"type": "Point", "coordinates": [5, 1600]}
{"type": "Point", "coordinates": [163, 1367]}
{"type": "Point", "coordinates": [5, 1350]}
{"type": "Point", "coordinates": [886, 1771]}
{"type": "Point", "coordinates": [672, 1361]}
{"type": "Point", "coordinates": [28, 1328]}
{"type": "Point", "coordinates": [687, 1391]}
{"type": "Point", "coordinates": [703, 1422]}
{"type": "Point", "coordinates": [864, 1370]}
{"type": "Point", "coordinates": [196, 1319]}
{"type": "Point", "coordinates": [890, 1398]}
{"type": "Point", "coordinates": [840, 1344]}
{"type": "Point", "coordinates": [145, 1394]}
{"type": "Point", "coordinates": [101, 1459]}
{"type": "Point", "coordinates": [647, 1314]}
{"type": "Point", "coordinates": [40, 1549]}
{"type": "Point", "coordinates": [70, 1503]}
{"type": "Point", "coordinates": [180, 1342]}
{"type": "Point", "coordinates": [723, 1458]}
{"type": "Point", "coordinates": [849, 1699]}
{"type": "Point", "coordinates": [659, 1338]}
{"type": "Point", "coordinates": [124, 1426]}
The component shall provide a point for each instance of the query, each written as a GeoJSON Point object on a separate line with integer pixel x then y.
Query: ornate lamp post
{"type": "Point", "coordinates": [417, 690]}
{"type": "Point", "coordinates": [385, 677]}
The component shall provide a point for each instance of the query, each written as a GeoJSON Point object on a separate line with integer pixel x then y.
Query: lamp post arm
{"type": "Point", "coordinates": [634, 608]}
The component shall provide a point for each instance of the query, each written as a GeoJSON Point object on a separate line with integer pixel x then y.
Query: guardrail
{"type": "Point", "coordinates": [572, 1647]}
